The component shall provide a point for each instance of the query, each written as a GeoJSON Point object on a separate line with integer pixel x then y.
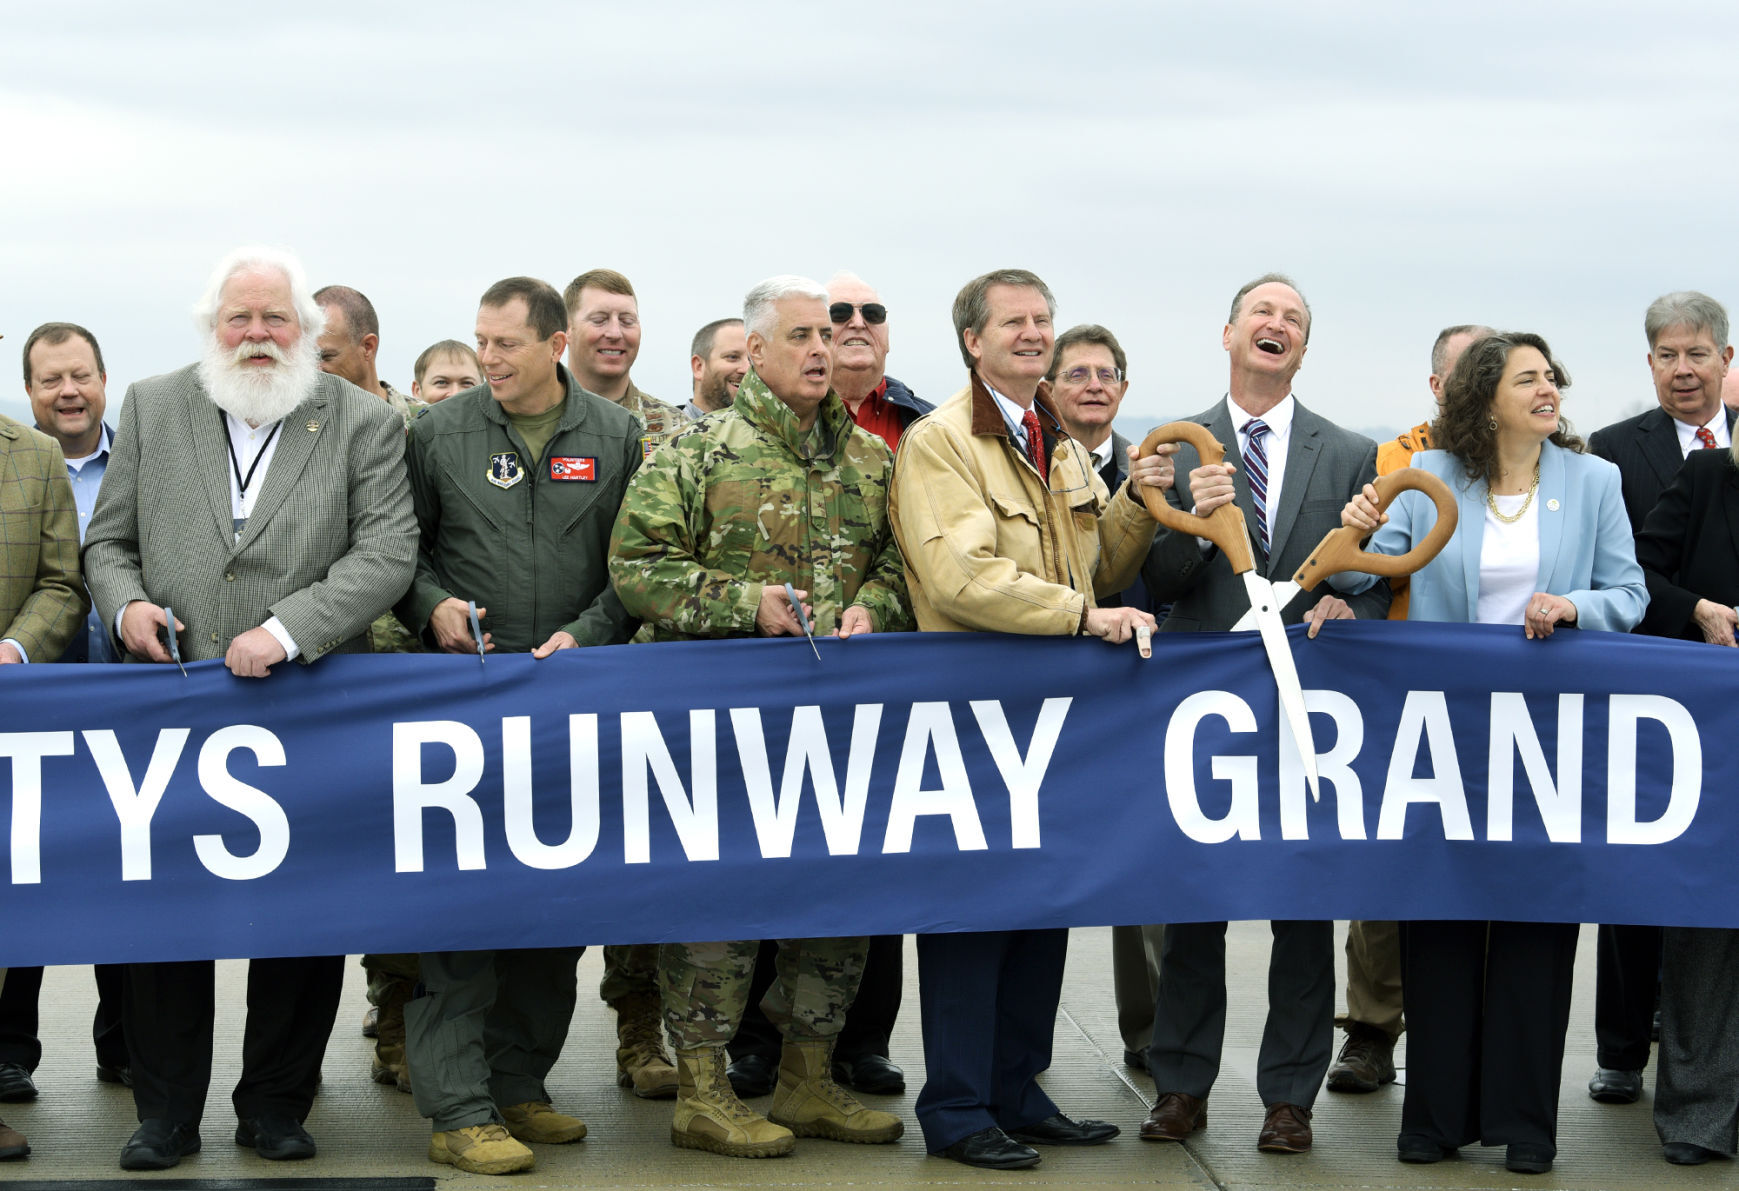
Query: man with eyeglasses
{"type": "Point", "coordinates": [1295, 470]}
{"type": "Point", "coordinates": [1089, 378]}
{"type": "Point", "coordinates": [879, 403]}
{"type": "Point", "coordinates": [1006, 527]}
{"type": "Point", "coordinates": [884, 407]}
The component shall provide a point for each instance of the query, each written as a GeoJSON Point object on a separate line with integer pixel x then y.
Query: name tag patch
{"type": "Point", "coordinates": [574, 467]}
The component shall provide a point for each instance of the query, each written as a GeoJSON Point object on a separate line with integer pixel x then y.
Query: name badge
{"type": "Point", "coordinates": [582, 468]}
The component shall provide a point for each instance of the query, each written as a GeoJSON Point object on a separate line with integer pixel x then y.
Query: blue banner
{"type": "Point", "coordinates": [903, 783]}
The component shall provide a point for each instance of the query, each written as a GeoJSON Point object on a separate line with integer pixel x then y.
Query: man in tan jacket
{"type": "Point", "coordinates": [1006, 527]}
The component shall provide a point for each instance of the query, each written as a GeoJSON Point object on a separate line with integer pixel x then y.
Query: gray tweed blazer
{"type": "Point", "coordinates": [329, 546]}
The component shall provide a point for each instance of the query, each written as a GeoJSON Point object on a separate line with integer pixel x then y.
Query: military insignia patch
{"type": "Point", "coordinates": [574, 467]}
{"type": "Point", "coordinates": [504, 469]}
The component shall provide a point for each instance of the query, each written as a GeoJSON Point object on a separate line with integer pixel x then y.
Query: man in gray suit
{"type": "Point", "coordinates": [265, 502]}
{"type": "Point", "coordinates": [1296, 472]}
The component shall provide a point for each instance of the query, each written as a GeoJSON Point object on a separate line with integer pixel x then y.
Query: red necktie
{"type": "Point", "coordinates": [1706, 437]}
{"type": "Point", "coordinates": [1035, 444]}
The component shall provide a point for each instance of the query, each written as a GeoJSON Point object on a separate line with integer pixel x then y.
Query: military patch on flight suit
{"type": "Point", "coordinates": [574, 467]}
{"type": "Point", "coordinates": [504, 469]}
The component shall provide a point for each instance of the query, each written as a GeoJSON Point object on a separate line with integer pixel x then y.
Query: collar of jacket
{"type": "Point", "coordinates": [757, 406]}
{"type": "Point", "coordinates": [987, 415]}
{"type": "Point", "coordinates": [1418, 438]}
{"type": "Point", "coordinates": [574, 413]}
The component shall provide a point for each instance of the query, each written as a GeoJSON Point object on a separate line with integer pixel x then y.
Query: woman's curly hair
{"type": "Point", "coordinates": [1464, 426]}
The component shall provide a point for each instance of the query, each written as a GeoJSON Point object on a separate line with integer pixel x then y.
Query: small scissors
{"type": "Point", "coordinates": [169, 632]}
{"type": "Point", "coordinates": [1339, 550]}
{"type": "Point", "coordinates": [797, 607]}
{"type": "Point", "coordinates": [476, 629]}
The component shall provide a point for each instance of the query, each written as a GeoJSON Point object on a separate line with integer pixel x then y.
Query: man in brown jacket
{"type": "Point", "coordinates": [1006, 527]}
{"type": "Point", "coordinates": [42, 600]}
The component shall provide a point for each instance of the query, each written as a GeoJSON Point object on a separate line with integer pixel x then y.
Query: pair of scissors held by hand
{"type": "Point", "coordinates": [797, 607]}
{"type": "Point", "coordinates": [1339, 550]}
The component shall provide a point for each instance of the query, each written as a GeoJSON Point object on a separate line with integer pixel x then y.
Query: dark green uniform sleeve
{"type": "Point", "coordinates": [606, 621]}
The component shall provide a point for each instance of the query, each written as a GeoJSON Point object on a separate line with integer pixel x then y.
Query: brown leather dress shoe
{"type": "Point", "coordinates": [1174, 1117]}
{"type": "Point", "coordinates": [1285, 1131]}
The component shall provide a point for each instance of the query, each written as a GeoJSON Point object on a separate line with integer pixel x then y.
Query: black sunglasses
{"type": "Point", "coordinates": [874, 313]}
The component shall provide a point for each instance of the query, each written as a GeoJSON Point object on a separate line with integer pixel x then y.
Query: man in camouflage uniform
{"type": "Point", "coordinates": [781, 487]}
{"type": "Point", "coordinates": [603, 343]}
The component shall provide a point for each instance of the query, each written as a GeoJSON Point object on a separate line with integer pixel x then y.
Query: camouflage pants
{"type": "Point", "coordinates": [390, 977]}
{"type": "Point", "coordinates": [705, 987]}
{"type": "Point", "coordinates": [628, 969]}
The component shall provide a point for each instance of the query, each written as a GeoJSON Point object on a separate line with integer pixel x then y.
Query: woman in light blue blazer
{"type": "Point", "coordinates": [1542, 541]}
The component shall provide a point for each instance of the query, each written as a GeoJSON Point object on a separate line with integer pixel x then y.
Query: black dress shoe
{"type": "Point", "coordinates": [1523, 1158]}
{"type": "Point", "coordinates": [115, 1073]}
{"type": "Point", "coordinates": [1687, 1153]}
{"type": "Point", "coordinates": [1613, 1086]}
{"type": "Point", "coordinates": [281, 1139]}
{"type": "Point", "coordinates": [872, 1074]}
{"type": "Point", "coordinates": [1061, 1131]}
{"type": "Point", "coordinates": [752, 1075]}
{"type": "Point", "coordinates": [16, 1086]}
{"type": "Point", "coordinates": [1135, 1060]}
{"type": "Point", "coordinates": [994, 1150]}
{"type": "Point", "coordinates": [158, 1144]}
{"type": "Point", "coordinates": [1421, 1151]}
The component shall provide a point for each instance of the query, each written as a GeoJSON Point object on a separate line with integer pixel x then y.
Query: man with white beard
{"type": "Point", "coordinates": [266, 503]}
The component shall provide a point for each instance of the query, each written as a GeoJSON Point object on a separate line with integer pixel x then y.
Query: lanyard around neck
{"type": "Point", "coordinates": [241, 481]}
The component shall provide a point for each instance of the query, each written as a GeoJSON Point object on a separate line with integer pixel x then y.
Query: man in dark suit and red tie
{"type": "Point", "coordinates": [1689, 355]}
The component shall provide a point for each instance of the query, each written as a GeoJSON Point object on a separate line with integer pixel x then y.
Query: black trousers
{"type": "Point", "coordinates": [1626, 991]}
{"type": "Point", "coordinates": [868, 1022]}
{"type": "Point", "coordinates": [19, 1022]}
{"type": "Point", "coordinates": [1488, 1006]}
{"type": "Point", "coordinates": [291, 1006]}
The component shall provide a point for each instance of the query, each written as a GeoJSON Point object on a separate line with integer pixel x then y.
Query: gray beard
{"type": "Point", "coordinates": [260, 396]}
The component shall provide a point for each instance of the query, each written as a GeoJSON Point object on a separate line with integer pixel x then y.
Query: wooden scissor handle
{"type": "Point", "coordinates": [1224, 527]}
{"type": "Point", "coordinates": [1340, 550]}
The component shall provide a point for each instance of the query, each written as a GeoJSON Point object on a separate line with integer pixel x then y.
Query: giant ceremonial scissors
{"type": "Point", "coordinates": [1339, 550]}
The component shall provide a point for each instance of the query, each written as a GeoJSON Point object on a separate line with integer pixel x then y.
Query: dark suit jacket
{"type": "Point", "coordinates": [1646, 449]}
{"type": "Point", "coordinates": [1325, 466]}
{"type": "Point", "coordinates": [1689, 545]}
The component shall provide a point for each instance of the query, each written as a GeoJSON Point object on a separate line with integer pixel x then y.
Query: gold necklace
{"type": "Point", "coordinates": [1512, 518]}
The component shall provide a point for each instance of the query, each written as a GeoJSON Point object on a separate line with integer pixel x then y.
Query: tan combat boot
{"type": "Point", "coordinates": [388, 1064]}
{"type": "Point", "coordinates": [710, 1117]}
{"type": "Point", "coordinates": [808, 1102]}
{"type": "Point", "coordinates": [480, 1149]}
{"type": "Point", "coordinates": [641, 1063]}
{"type": "Point", "coordinates": [536, 1121]}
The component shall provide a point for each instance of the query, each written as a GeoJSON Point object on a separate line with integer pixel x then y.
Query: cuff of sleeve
{"type": "Point", "coordinates": [19, 646]}
{"type": "Point", "coordinates": [276, 628]}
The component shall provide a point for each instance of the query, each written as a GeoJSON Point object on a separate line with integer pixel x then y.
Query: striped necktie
{"type": "Point", "coordinates": [1256, 471]}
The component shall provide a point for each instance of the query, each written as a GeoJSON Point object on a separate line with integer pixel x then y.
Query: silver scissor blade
{"type": "Point", "coordinates": [1284, 594]}
{"type": "Point", "coordinates": [1266, 610]}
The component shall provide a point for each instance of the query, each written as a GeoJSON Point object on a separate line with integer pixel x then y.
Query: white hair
{"type": "Point", "coordinates": [260, 256]}
{"type": "Point", "coordinates": [758, 304]}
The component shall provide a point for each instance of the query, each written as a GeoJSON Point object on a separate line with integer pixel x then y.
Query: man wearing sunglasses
{"type": "Point", "coordinates": [879, 403]}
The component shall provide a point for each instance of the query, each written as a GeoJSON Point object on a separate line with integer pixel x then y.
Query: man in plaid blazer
{"type": "Point", "coordinates": [266, 502]}
{"type": "Point", "coordinates": [42, 602]}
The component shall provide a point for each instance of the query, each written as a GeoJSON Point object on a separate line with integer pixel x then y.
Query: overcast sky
{"type": "Point", "coordinates": [1549, 167]}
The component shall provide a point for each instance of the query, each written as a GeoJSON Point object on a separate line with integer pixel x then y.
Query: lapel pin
{"type": "Point", "coordinates": [1552, 504]}
{"type": "Point", "coordinates": [313, 426]}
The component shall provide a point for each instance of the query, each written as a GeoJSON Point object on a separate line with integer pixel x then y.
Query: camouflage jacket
{"type": "Point", "coordinates": [745, 499]}
{"type": "Point", "coordinates": [662, 420]}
